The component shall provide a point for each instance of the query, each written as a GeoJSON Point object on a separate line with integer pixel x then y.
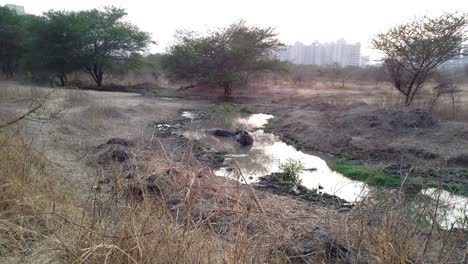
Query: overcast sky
{"type": "Point", "coordinates": [295, 20]}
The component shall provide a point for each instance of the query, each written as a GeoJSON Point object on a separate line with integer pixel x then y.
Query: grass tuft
{"type": "Point", "coordinates": [462, 173]}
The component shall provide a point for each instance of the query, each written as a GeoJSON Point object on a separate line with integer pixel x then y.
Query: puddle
{"type": "Point", "coordinates": [453, 208]}
{"type": "Point", "coordinates": [188, 114]}
{"type": "Point", "coordinates": [268, 152]}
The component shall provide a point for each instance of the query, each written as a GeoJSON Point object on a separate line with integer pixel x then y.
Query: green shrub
{"type": "Point", "coordinates": [270, 122]}
{"type": "Point", "coordinates": [290, 171]}
{"type": "Point", "coordinates": [243, 108]}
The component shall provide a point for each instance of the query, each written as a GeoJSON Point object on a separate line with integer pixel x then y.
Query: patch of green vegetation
{"type": "Point", "coordinates": [462, 173]}
{"type": "Point", "coordinates": [232, 108]}
{"type": "Point", "coordinates": [376, 177]}
{"type": "Point", "coordinates": [372, 176]}
{"type": "Point", "coordinates": [243, 108]}
{"type": "Point", "coordinates": [290, 170]}
{"type": "Point", "coordinates": [270, 122]}
{"type": "Point", "coordinates": [457, 188]}
{"type": "Point", "coordinates": [221, 153]}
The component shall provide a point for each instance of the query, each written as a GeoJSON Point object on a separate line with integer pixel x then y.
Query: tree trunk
{"type": "Point", "coordinates": [63, 79]}
{"type": "Point", "coordinates": [453, 104]}
{"type": "Point", "coordinates": [97, 73]}
{"type": "Point", "coordinates": [227, 89]}
{"type": "Point", "coordinates": [99, 79]}
{"type": "Point", "coordinates": [407, 100]}
{"type": "Point", "coordinates": [8, 70]}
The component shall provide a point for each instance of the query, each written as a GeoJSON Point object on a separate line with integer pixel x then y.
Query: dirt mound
{"type": "Point", "coordinates": [391, 120]}
{"type": "Point", "coordinates": [273, 183]}
{"type": "Point", "coordinates": [121, 141]}
{"type": "Point", "coordinates": [375, 135]}
{"type": "Point", "coordinates": [115, 149]}
{"type": "Point", "coordinates": [458, 161]}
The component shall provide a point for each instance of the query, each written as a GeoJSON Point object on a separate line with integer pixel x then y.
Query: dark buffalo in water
{"type": "Point", "coordinates": [242, 136]}
{"type": "Point", "coordinates": [222, 133]}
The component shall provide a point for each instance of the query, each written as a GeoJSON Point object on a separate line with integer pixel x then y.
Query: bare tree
{"type": "Point", "coordinates": [332, 72]}
{"type": "Point", "coordinates": [413, 51]}
{"type": "Point", "coordinates": [445, 85]}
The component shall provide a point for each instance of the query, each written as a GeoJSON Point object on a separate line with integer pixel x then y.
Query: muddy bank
{"type": "Point", "coordinates": [398, 140]}
{"type": "Point", "coordinates": [273, 183]}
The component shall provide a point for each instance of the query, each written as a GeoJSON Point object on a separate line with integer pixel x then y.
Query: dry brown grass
{"type": "Point", "coordinates": [121, 228]}
{"type": "Point", "coordinates": [73, 97]}
{"type": "Point", "coordinates": [28, 194]}
{"type": "Point", "coordinates": [13, 92]}
{"type": "Point", "coordinates": [197, 219]}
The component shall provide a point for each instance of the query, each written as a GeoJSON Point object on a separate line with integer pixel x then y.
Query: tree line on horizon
{"type": "Point", "coordinates": [61, 42]}
{"type": "Point", "coordinates": [100, 41]}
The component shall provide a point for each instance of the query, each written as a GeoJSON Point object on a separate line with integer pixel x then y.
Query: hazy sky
{"type": "Point", "coordinates": [295, 20]}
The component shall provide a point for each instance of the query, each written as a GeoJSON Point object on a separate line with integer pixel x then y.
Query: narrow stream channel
{"type": "Point", "coordinates": [268, 152]}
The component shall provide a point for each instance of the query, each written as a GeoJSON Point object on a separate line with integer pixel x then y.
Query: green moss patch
{"type": "Point", "coordinates": [376, 177]}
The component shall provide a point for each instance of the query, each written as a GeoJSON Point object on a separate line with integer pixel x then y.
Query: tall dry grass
{"type": "Point", "coordinates": [119, 227]}
{"type": "Point", "coordinates": [195, 218]}
{"type": "Point", "coordinates": [29, 194]}
{"type": "Point", "coordinates": [388, 228]}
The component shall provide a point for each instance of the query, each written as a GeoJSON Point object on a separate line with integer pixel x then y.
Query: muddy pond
{"type": "Point", "coordinates": [269, 151]}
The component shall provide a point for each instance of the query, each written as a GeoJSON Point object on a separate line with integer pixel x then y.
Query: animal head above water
{"type": "Point", "coordinates": [244, 138]}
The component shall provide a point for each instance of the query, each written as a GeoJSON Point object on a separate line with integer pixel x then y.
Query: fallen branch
{"type": "Point", "coordinates": [19, 118]}
{"type": "Point", "coordinates": [29, 112]}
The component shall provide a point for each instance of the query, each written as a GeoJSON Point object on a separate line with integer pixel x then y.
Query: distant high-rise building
{"type": "Point", "coordinates": [17, 8]}
{"type": "Point", "coordinates": [339, 52]}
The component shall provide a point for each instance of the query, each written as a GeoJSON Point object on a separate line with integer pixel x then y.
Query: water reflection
{"type": "Point", "coordinates": [267, 153]}
{"type": "Point", "coordinates": [452, 209]}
